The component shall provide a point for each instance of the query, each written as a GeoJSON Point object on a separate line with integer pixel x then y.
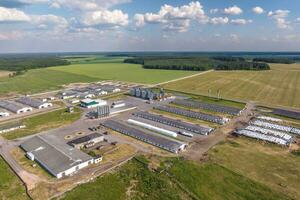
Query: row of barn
{"type": "Point", "coordinates": [193, 114]}
{"type": "Point", "coordinates": [207, 106]}
{"type": "Point", "coordinates": [202, 130]}
{"type": "Point", "coordinates": [23, 104]}
{"type": "Point", "coordinates": [167, 144]}
{"type": "Point", "coordinates": [265, 128]}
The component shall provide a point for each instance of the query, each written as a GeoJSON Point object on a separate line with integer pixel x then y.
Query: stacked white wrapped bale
{"type": "Point", "coordinates": [152, 128]}
{"type": "Point", "coordinates": [275, 133]}
{"type": "Point", "coordinates": [267, 118]}
{"type": "Point", "coordinates": [269, 125]}
{"type": "Point", "coordinates": [261, 136]}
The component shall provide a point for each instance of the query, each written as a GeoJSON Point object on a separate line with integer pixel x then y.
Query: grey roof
{"type": "Point", "coordinates": [156, 140]}
{"type": "Point", "coordinates": [30, 102]}
{"type": "Point", "coordinates": [53, 154]}
{"type": "Point", "coordinates": [11, 106]}
{"type": "Point", "coordinates": [10, 125]}
{"type": "Point", "coordinates": [85, 138]}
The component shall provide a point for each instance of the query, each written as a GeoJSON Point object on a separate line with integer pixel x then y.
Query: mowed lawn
{"type": "Point", "coordinates": [279, 86]}
{"type": "Point", "coordinates": [123, 72]}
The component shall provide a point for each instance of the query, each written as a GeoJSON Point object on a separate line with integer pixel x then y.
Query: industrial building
{"type": "Point", "coordinates": [35, 103]}
{"type": "Point", "coordinates": [153, 139]}
{"type": "Point", "coordinates": [90, 139]}
{"type": "Point", "coordinates": [110, 89]}
{"type": "Point", "coordinates": [92, 103]}
{"type": "Point", "coordinates": [11, 127]}
{"type": "Point", "coordinates": [193, 114]}
{"type": "Point", "coordinates": [175, 123]}
{"type": "Point", "coordinates": [207, 106]}
{"type": "Point", "coordinates": [14, 107]}
{"type": "Point", "coordinates": [146, 93]}
{"type": "Point", "coordinates": [58, 158]}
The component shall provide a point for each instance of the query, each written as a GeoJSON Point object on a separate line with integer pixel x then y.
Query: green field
{"type": "Point", "coordinates": [10, 186]}
{"type": "Point", "coordinates": [43, 122]}
{"type": "Point", "coordinates": [82, 71]}
{"type": "Point", "coordinates": [279, 86]}
{"type": "Point", "coordinates": [268, 164]}
{"type": "Point", "coordinates": [183, 180]}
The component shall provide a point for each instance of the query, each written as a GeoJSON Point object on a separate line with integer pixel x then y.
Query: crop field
{"type": "Point", "coordinates": [97, 69]}
{"type": "Point", "coordinates": [122, 72]}
{"type": "Point", "coordinates": [10, 186]}
{"type": "Point", "coordinates": [268, 164]}
{"type": "Point", "coordinates": [280, 86]}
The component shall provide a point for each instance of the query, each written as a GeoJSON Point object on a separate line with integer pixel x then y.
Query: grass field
{"type": "Point", "coordinates": [279, 86]}
{"type": "Point", "coordinates": [268, 164]}
{"type": "Point", "coordinates": [43, 122]}
{"type": "Point", "coordinates": [10, 186]}
{"type": "Point", "coordinates": [53, 78]}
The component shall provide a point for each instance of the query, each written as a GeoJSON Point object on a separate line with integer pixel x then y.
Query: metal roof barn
{"type": "Point", "coordinates": [56, 157]}
{"type": "Point", "coordinates": [14, 107]}
{"type": "Point", "coordinates": [34, 102]}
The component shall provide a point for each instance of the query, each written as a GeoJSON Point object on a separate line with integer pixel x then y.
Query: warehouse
{"type": "Point", "coordinates": [110, 89]}
{"type": "Point", "coordinates": [278, 127]}
{"type": "Point", "coordinates": [192, 114]}
{"type": "Point", "coordinates": [11, 127]}
{"type": "Point", "coordinates": [156, 140]}
{"type": "Point", "coordinates": [92, 103]}
{"type": "Point", "coordinates": [14, 107]}
{"type": "Point", "coordinates": [207, 106]}
{"type": "Point", "coordinates": [35, 103]}
{"type": "Point", "coordinates": [68, 94]}
{"type": "Point", "coordinates": [58, 158]}
{"type": "Point", "coordinates": [90, 139]}
{"type": "Point", "coordinates": [175, 123]}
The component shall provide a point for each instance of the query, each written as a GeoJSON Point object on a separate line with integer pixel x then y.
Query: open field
{"type": "Point", "coordinates": [43, 122]}
{"type": "Point", "coordinates": [135, 180]}
{"type": "Point", "coordinates": [10, 185]}
{"type": "Point", "coordinates": [280, 86]}
{"type": "Point", "coordinates": [53, 78]}
{"type": "Point", "coordinates": [268, 164]}
{"type": "Point", "coordinates": [122, 72]}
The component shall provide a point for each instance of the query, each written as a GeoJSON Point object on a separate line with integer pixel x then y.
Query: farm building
{"type": "Point", "coordinates": [68, 94]}
{"type": "Point", "coordinates": [110, 89]}
{"type": "Point", "coordinates": [58, 158]}
{"type": "Point", "coordinates": [145, 93]}
{"type": "Point", "coordinates": [10, 127]}
{"type": "Point", "coordinates": [92, 103]}
{"type": "Point", "coordinates": [35, 103]}
{"type": "Point", "coordinates": [4, 113]}
{"type": "Point", "coordinates": [14, 107]}
{"type": "Point", "coordinates": [90, 139]}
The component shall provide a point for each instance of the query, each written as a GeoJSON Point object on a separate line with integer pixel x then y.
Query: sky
{"type": "Point", "coordinates": [149, 25]}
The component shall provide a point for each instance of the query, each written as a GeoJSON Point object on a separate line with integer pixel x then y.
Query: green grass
{"type": "Point", "coordinates": [10, 185]}
{"type": "Point", "coordinates": [212, 181]}
{"type": "Point", "coordinates": [268, 164]}
{"type": "Point", "coordinates": [38, 80]}
{"type": "Point", "coordinates": [131, 181]}
{"type": "Point", "coordinates": [278, 86]}
{"type": "Point", "coordinates": [123, 72]}
{"type": "Point", "coordinates": [43, 122]}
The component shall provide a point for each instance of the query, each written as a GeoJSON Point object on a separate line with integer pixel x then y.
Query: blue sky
{"type": "Point", "coordinates": [144, 25]}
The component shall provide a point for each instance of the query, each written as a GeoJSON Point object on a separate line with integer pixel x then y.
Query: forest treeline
{"type": "Point", "coordinates": [198, 63]}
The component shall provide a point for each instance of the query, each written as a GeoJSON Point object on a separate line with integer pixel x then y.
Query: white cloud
{"type": "Point", "coordinates": [241, 21]}
{"type": "Point", "coordinates": [12, 15]}
{"type": "Point", "coordinates": [219, 20]}
{"type": "Point", "coordinates": [49, 21]}
{"type": "Point", "coordinates": [214, 11]}
{"type": "Point", "coordinates": [87, 4]}
{"type": "Point", "coordinates": [279, 17]}
{"type": "Point", "coordinates": [234, 10]}
{"type": "Point", "coordinates": [174, 18]}
{"type": "Point", "coordinates": [258, 10]}
{"type": "Point", "coordinates": [297, 20]}
{"type": "Point", "coordinates": [105, 17]}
